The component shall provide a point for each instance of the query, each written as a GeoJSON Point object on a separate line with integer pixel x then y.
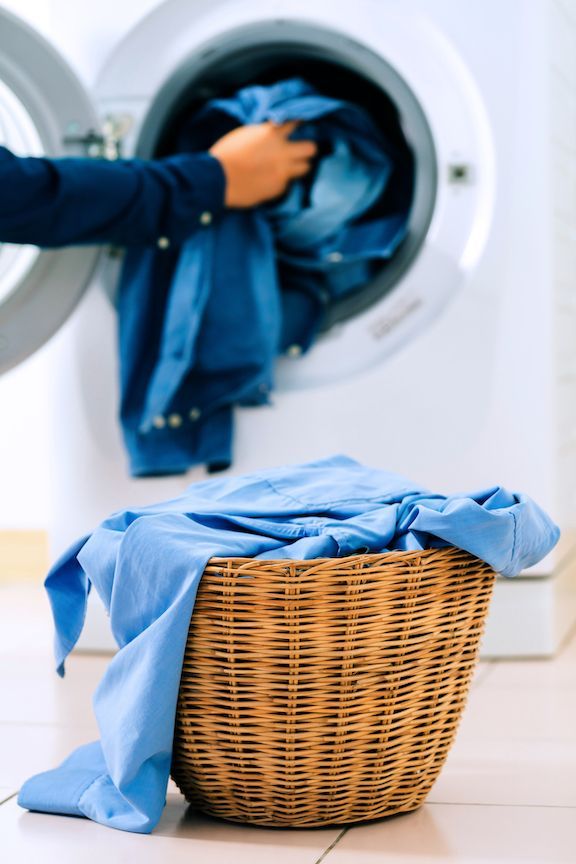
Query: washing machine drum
{"type": "Point", "coordinates": [259, 56]}
{"type": "Point", "coordinates": [194, 123]}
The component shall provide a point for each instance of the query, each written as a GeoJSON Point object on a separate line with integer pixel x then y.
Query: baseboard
{"type": "Point", "coordinates": [23, 555]}
{"type": "Point", "coordinates": [531, 617]}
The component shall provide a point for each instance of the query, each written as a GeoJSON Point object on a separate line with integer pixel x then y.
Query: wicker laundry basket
{"type": "Point", "coordinates": [326, 691]}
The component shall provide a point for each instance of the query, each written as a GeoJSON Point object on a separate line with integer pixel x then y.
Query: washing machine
{"type": "Point", "coordinates": [455, 366]}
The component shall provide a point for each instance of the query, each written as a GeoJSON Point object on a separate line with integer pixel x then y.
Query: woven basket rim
{"type": "Point", "coordinates": [396, 555]}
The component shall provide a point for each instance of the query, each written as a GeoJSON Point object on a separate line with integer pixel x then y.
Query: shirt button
{"type": "Point", "coordinates": [158, 422]}
{"type": "Point", "coordinates": [294, 351]}
{"type": "Point", "coordinates": [194, 414]}
{"type": "Point", "coordinates": [163, 243]}
{"type": "Point", "coordinates": [334, 257]}
{"type": "Point", "coordinates": [174, 420]}
{"type": "Point", "coordinates": [206, 218]}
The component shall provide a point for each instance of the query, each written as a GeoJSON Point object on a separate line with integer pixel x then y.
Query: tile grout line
{"type": "Point", "coordinates": [8, 798]}
{"type": "Point", "coordinates": [571, 635]}
{"type": "Point", "coordinates": [332, 845]}
{"type": "Point", "coordinates": [484, 673]}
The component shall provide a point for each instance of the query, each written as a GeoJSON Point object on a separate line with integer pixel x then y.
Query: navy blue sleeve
{"type": "Point", "coordinates": [128, 202]}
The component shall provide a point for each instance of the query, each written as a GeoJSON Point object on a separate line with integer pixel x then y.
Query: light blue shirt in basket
{"type": "Point", "coordinates": [146, 565]}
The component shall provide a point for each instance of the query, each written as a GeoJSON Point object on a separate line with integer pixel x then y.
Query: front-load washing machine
{"type": "Point", "coordinates": [454, 366]}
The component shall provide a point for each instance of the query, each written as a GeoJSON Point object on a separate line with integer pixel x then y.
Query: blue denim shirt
{"type": "Point", "coordinates": [146, 565]}
{"type": "Point", "coordinates": [200, 327]}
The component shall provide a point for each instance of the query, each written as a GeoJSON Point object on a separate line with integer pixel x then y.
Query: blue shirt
{"type": "Point", "coordinates": [146, 565]}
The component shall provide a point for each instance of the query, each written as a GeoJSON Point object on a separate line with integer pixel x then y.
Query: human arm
{"type": "Point", "coordinates": [127, 202]}
{"type": "Point", "coordinates": [75, 201]}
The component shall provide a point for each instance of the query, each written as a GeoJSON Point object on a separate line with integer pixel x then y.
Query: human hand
{"type": "Point", "coordinates": [259, 161]}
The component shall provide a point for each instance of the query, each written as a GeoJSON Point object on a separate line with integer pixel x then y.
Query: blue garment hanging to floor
{"type": "Point", "coordinates": [201, 326]}
{"type": "Point", "coordinates": [146, 565]}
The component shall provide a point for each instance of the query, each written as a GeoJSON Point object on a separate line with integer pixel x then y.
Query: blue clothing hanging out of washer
{"type": "Point", "coordinates": [180, 383]}
{"type": "Point", "coordinates": [201, 326]}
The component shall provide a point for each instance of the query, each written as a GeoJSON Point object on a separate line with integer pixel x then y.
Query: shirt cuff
{"type": "Point", "coordinates": [202, 192]}
{"type": "Point", "coordinates": [57, 791]}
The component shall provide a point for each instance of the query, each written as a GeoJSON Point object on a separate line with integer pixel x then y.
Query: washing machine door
{"type": "Point", "coordinates": [44, 110]}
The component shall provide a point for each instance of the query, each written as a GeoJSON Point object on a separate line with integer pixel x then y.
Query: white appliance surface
{"type": "Point", "coordinates": [464, 375]}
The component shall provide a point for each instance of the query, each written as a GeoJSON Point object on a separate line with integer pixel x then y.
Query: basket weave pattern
{"type": "Point", "coordinates": [326, 691]}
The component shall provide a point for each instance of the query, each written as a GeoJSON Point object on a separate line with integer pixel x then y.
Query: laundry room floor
{"type": "Point", "coordinates": [506, 795]}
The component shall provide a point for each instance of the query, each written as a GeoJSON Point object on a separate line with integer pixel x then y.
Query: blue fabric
{"type": "Point", "coordinates": [146, 565]}
{"type": "Point", "coordinates": [129, 202]}
{"type": "Point", "coordinates": [200, 328]}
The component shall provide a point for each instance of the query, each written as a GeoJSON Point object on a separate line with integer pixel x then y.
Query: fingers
{"type": "Point", "coordinates": [303, 149]}
{"type": "Point", "coordinates": [298, 149]}
{"type": "Point", "coordinates": [286, 129]}
{"type": "Point", "coordinates": [299, 169]}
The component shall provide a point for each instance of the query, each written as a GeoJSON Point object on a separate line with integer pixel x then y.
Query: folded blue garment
{"type": "Point", "coordinates": [146, 566]}
{"type": "Point", "coordinates": [201, 326]}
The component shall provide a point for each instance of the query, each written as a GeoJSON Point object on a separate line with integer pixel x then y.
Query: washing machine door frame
{"type": "Point", "coordinates": [51, 98]}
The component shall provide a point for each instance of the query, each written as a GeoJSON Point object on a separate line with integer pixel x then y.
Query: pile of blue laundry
{"type": "Point", "coordinates": [146, 566]}
{"type": "Point", "coordinates": [201, 326]}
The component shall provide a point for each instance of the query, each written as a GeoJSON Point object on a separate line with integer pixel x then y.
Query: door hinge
{"type": "Point", "coordinates": [106, 144]}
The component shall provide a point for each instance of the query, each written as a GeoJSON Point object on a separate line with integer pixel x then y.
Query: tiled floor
{"type": "Point", "coordinates": [506, 795]}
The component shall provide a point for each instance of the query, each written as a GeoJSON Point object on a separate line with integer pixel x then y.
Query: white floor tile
{"type": "Point", "coordinates": [481, 672]}
{"type": "Point", "coordinates": [27, 749]}
{"type": "Point", "coordinates": [180, 837]}
{"type": "Point", "coordinates": [38, 695]}
{"type": "Point", "coordinates": [519, 713]}
{"type": "Point", "coordinates": [534, 675]}
{"type": "Point", "coordinates": [570, 642]}
{"type": "Point", "coordinates": [5, 793]}
{"type": "Point", "coordinates": [443, 834]}
{"type": "Point", "coordinates": [507, 772]}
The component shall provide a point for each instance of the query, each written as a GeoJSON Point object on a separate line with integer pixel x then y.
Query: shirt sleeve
{"type": "Point", "coordinates": [128, 202]}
